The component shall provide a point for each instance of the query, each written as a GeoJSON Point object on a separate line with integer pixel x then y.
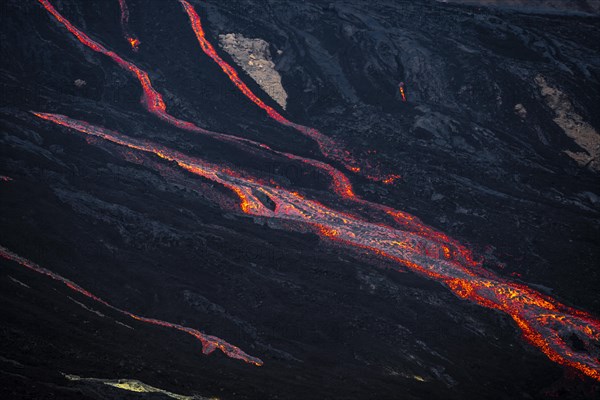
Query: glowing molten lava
{"type": "Point", "coordinates": [209, 343]}
{"type": "Point", "coordinates": [545, 322]}
{"type": "Point", "coordinates": [328, 147]}
{"type": "Point", "coordinates": [154, 103]}
{"type": "Point", "coordinates": [391, 179]}
{"type": "Point", "coordinates": [133, 41]}
{"type": "Point", "coordinates": [401, 87]}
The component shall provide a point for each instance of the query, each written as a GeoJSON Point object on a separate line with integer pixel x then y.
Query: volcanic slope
{"type": "Point", "coordinates": [201, 250]}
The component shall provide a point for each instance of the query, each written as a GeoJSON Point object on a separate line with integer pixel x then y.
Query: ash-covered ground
{"type": "Point", "coordinates": [497, 146]}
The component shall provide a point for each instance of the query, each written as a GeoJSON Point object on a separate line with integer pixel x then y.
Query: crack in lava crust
{"type": "Point", "coordinates": [545, 323]}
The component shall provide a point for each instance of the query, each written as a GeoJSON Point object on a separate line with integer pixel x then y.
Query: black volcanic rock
{"type": "Point", "coordinates": [537, 6]}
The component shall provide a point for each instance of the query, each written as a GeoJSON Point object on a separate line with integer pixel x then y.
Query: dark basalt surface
{"type": "Point", "coordinates": [328, 322]}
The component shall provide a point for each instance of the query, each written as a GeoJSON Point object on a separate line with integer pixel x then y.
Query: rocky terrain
{"type": "Point", "coordinates": [254, 57]}
{"type": "Point", "coordinates": [537, 6]}
{"type": "Point", "coordinates": [496, 147]}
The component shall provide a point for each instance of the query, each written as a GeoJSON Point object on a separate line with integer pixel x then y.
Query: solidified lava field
{"type": "Point", "coordinates": [282, 199]}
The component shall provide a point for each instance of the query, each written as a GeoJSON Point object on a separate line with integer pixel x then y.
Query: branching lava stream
{"type": "Point", "coordinates": [545, 323]}
{"type": "Point", "coordinates": [154, 103]}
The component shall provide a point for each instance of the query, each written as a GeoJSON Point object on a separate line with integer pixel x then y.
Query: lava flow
{"type": "Point", "coordinates": [131, 38]}
{"type": "Point", "coordinates": [154, 103]}
{"type": "Point", "coordinates": [401, 87]}
{"type": "Point", "coordinates": [324, 142]}
{"type": "Point", "coordinates": [545, 323]}
{"type": "Point", "coordinates": [328, 147]}
{"type": "Point", "coordinates": [209, 343]}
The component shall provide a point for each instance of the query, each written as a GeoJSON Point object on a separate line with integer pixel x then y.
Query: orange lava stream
{"type": "Point", "coordinates": [545, 323]}
{"type": "Point", "coordinates": [209, 343]}
{"type": "Point", "coordinates": [329, 148]}
{"type": "Point", "coordinates": [154, 103]}
{"type": "Point", "coordinates": [133, 41]}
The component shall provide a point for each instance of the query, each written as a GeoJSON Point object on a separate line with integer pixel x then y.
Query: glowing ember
{"type": "Point", "coordinates": [401, 87]}
{"type": "Point", "coordinates": [131, 39]}
{"type": "Point", "coordinates": [209, 343]}
{"type": "Point", "coordinates": [135, 43]}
